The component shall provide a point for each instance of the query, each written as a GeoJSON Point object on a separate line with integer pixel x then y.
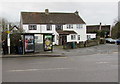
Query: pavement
{"type": "Point", "coordinates": [59, 51]}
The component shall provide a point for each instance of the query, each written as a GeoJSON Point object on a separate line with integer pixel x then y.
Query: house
{"type": "Point", "coordinates": [65, 27]}
{"type": "Point", "coordinates": [94, 28]}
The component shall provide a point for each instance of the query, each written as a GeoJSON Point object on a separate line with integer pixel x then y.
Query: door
{"type": "Point", "coordinates": [62, 39]}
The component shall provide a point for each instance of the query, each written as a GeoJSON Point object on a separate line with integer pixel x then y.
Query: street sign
{"type": "Point", "coordinates": [8, 32]}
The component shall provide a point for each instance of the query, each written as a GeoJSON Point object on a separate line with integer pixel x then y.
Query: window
{"type": "Point", "coordinates": [78, 37]}
{"type": "Point", "coordinates": [59, 27]}
{"type": "Point", "coordinates": [69, 26]}
{"type": "Point", "coordinates": [49, 27]}
{"type": "Point", "coordinates": [79, 26]}
{"type": "Point", "coordinates": [88, 37]}
{"type": "Point", "coordinates": [73, 37]}
{"type": "Point", "coordinates": [32, 27]}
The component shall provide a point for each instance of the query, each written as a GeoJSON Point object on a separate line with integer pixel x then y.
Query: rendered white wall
{"type": "Point", "coordinates": [42, 28]}
{"type": "Point", "coordinates": [69, 38]}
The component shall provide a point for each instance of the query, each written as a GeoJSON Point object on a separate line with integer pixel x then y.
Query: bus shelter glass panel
{"type": "Point", "coordinates": [38, 43]}
{"type": "Point", "coordinates": [29, 43]}
{"type": "Point", "coordinates": [48, 42]}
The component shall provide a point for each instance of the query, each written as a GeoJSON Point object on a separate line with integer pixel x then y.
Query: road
{"type": "Point", "coordinates": [98, 67]}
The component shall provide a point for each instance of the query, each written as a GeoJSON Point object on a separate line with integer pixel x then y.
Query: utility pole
{"type": "Point", "coordinates": [8, 39]}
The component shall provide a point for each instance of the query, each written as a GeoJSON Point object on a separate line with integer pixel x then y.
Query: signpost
{"type": "Point", "coordinates": [8, 39]}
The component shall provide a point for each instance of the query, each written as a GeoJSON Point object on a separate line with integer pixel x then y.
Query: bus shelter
{"type": "Point", "coordinates": [33, 43]}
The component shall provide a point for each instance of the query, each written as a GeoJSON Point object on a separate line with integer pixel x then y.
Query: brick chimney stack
{"type": "Point", "coordinates": [47, 11]}
{"type": "Point", "coordinates": [76, 13]}
{"type": "Point", "coordinates": [100, 26]}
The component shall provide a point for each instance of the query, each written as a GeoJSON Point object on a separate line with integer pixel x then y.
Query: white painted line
{"type": "Point", "coordinates": [39, 69]}
{"type": "Point", "coordinates": [102, 62]}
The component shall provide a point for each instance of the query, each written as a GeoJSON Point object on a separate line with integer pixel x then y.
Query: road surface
{"type": "Point", "coordinates": [98, 67]}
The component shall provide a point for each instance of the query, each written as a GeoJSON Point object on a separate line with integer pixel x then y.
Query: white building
{"type": "Point", "coordinates": [65, 27]}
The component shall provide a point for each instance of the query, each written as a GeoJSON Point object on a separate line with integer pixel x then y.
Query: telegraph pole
{"type": "Point", "coordinates": [8, 39]}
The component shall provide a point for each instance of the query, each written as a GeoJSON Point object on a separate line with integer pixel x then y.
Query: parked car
{"type": "Point", "coordinates": [110, 40]}
{"type": "Point", "coordinates": [118, 41]}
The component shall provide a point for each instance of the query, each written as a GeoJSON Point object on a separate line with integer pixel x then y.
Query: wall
{"type": "Point", "coordinates": [81, 32]}
{"type": "Point", "coordinates": [69, 38]}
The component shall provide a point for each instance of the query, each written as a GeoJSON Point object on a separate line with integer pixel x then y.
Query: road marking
{"type": "Point", "coordinates": [102, 62]}
{"type": "Point", "coordinates": [60, 57]}
{"type": "Point", "coordinates": [115, 52]}
{"type": "Point", "coordinates": [39, 69]}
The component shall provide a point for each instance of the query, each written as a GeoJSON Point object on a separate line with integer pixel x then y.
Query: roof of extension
{"type": "Point", "coordinates": [51, 18]}
{"type": "Point", "coordinates": [65, 32]}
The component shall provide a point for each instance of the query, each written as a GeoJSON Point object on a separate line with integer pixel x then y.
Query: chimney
{"type": "Point", "coordinates": [100, 26]}
{"type": "Point", "coordinates": [76, 12]}
{"type": "Point", "coordinates": [46, 11]}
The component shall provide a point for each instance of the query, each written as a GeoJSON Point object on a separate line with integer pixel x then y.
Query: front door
{"type": "Point", "coordinates": [62, 39]}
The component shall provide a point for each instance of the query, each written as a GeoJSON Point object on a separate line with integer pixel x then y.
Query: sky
{"type": "Point", "coordinates": [91, 11]}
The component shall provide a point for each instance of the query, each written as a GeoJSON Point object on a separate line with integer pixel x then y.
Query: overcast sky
{"type": "Point", "coordinates": [91, 12]}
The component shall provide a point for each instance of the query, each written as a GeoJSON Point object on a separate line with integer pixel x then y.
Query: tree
{"type": "Point", "coordinates": [116, 31]}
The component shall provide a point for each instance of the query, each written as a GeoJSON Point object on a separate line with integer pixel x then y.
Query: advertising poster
{"type": "Point", "coordinates": [48, 42]}
{"type": "Point", "coordinates": [29, 43]}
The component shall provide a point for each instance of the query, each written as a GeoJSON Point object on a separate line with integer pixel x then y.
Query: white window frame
{"type": "Point", "coordinates": [69, 26]}
{"type": "Point", "coordinates": [48, 27]}
{"type": "Point", "coordinates": [59, 27]}
{"type": "Point", "coordinates": [73, 37]}
{"type": "Point", "coordinates": [78, 37]}
{"type": "Point", "coordinates": [79, 26]}
{"type": "Point", "coordinates": [32, 27]}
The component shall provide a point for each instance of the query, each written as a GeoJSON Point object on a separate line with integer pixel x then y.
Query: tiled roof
{"type": "Point", "coordinates": [92, 28]}
{"type": "Point", "coordinates": [65, 32]}
{"type": "Point", "coordinates": [51, 18]}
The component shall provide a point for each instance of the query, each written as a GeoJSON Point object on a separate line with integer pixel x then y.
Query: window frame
{"type": "Point", "coordinates": [79, 26]}
{"type": "Point", "coordinates": [79, 37]}
{"type": "Point", "coordinates": [69, 26]}
{"type": "Point", "coordinates": [48, 27]}
{"type": "Point", "coordinates": [73, 37]}
{"type": "Point", "coordinates": [59, 27]}
{"type": "Point", "coordinates": [32, 27]}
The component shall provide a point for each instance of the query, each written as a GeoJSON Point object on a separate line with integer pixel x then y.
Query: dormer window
{"type": "Point", "coordinates": [32, 27]}
{"type": "Point", "coordinates": [69, 26]}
